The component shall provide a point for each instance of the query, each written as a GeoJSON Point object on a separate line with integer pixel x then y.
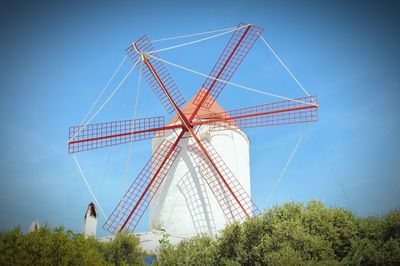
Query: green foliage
{"type": "Point", "coordinates": [195, 251]}
{"type": "Point", "coordinates": [291, 234]}
{"type": "Point", "coordinates": [124, 250]}
{"type": "Point", "coordinates": [60, 247]}
{"type": "Point", "coordinates": [295, 234]}
{"type": "Point", "coordinates": [377, 241]}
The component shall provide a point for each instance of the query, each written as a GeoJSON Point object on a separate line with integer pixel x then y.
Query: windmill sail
{"type": "Point", "coordinates": [235, 202]}
{"type": "Point", "coordinates": [132, 206]}
{"type": "Point", "coordinates": [232, 56]}
{"type": "Point", "coordinates": [95, 136]}
{"type": "Point", "coordinates": [300, 110]}
{"type": "Point", "coordinates": [161, 73]}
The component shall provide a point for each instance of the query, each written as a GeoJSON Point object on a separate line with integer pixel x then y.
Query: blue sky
{"type": "Point", "coordinates": [56, 57]}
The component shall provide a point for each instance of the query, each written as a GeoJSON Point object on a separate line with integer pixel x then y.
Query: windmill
{"type": "Point", "coordinates": [186, 131]}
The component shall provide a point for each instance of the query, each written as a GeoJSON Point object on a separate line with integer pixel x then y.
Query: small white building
{"type": "Point", "coordinates": [34, 226]}
{"type": "Point", "coordinates": [90, 221]}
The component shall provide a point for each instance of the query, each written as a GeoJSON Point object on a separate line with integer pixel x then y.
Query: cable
{"type": "Point", "coordinates": [286, 166]}
{"type": "Point", "coordinates": [103, 90]}
{"type": "Point", "coordinates": [196, 41]}
{"type": "Point", "coordinates": [77, 183]}
{"type": "Point", "coordinates": [130, 143]}
{"type": "Point", "coordinates": [190, 35]}
{"type": "Point", "coordinates": [231, 83]}
{"type": "Point", "coordinates": [132, 130]}
{"type": "Point", "coordinates": [331, 163]}
{"type": "Point", "coordinates": [88, 186]}
{"type": "Point", "coordinates": [283, 64]}
{"type": "Point", "coordinates": [107, 100]}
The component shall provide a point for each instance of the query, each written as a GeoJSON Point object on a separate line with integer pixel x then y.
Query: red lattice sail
{"type": "Point", "coordinates": [235, 202]}
{"type": "Point", "coordinates": [144, 45]}
{"type": "Point", "coordinates": [95, 136]}
{"type": "Point", "coordinates": [232, 56]}
{"type": "Point", "coordinates": [132, 206]}
{"type": "Point", "coordinates": [300, 110]}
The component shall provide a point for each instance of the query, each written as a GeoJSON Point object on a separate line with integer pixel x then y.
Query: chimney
{"type": "Point", "coordinates": [90, 221]}
{"type": "Point", "coordinates": [34, 226]}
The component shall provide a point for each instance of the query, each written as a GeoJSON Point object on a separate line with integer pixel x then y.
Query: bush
{"type": "Point", "coordinates": [291, 234]}
{"type": "Point", "coordinates": [199, 250]}
{"type": "Point", "coordinates": [60, 247]}
{"type": "Point", "coordinates": [295, 234]}
{"type": "Point", "coordinates": [124, 250]}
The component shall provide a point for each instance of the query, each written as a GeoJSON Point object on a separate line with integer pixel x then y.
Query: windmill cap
{"type": "Point", "coordinates": [204, 113]}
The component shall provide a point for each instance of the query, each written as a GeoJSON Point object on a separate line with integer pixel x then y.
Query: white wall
{"type": "Point", "coordinates": [184, 205]}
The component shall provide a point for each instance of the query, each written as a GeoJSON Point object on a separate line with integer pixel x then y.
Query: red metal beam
{"type": "Point", "coordinates": [222, 119]}
{"type": "Point", "coordinates": [187, 126]}
{"type": "Point", "coordinates": [196, 123]}
{"type": "Point", "coordinates": [228, 204]}
{"type": "Point", "coordinates": [144, 45]}
{"type": "Point", "coordinates": [100, 135]}
{"type": "Point", "coordinates": [181, 115]}
{"type": "Point", "coordinates": [217, 170]}
{"type": "Point", "coordinates": [219, 74]}
{"type": "Point", "coordinates": [152, 180]}
{"type": "Point", "coordinates": [126, 134]}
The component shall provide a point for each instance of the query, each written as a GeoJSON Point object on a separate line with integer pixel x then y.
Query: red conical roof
{"type": "Point", "coordinates": [214, 111]}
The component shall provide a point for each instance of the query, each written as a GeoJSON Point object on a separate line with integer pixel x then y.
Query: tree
{"type": "Point", "coordinates": [290, 234]}
{"type": "Point", "coordinates": [124, 250]}
{"type": "Point", "coordinates": [10, 246]}
{"type": "Point", "coordinates": [295, 233]}
{"type": "Point", "coordinates": [199, 250]}
{"type": "Point", "coordinates": [48, 247]}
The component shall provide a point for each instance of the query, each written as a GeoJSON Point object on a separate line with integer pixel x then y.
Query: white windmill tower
{"type": "Point", "coordinates": [185, 206]}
